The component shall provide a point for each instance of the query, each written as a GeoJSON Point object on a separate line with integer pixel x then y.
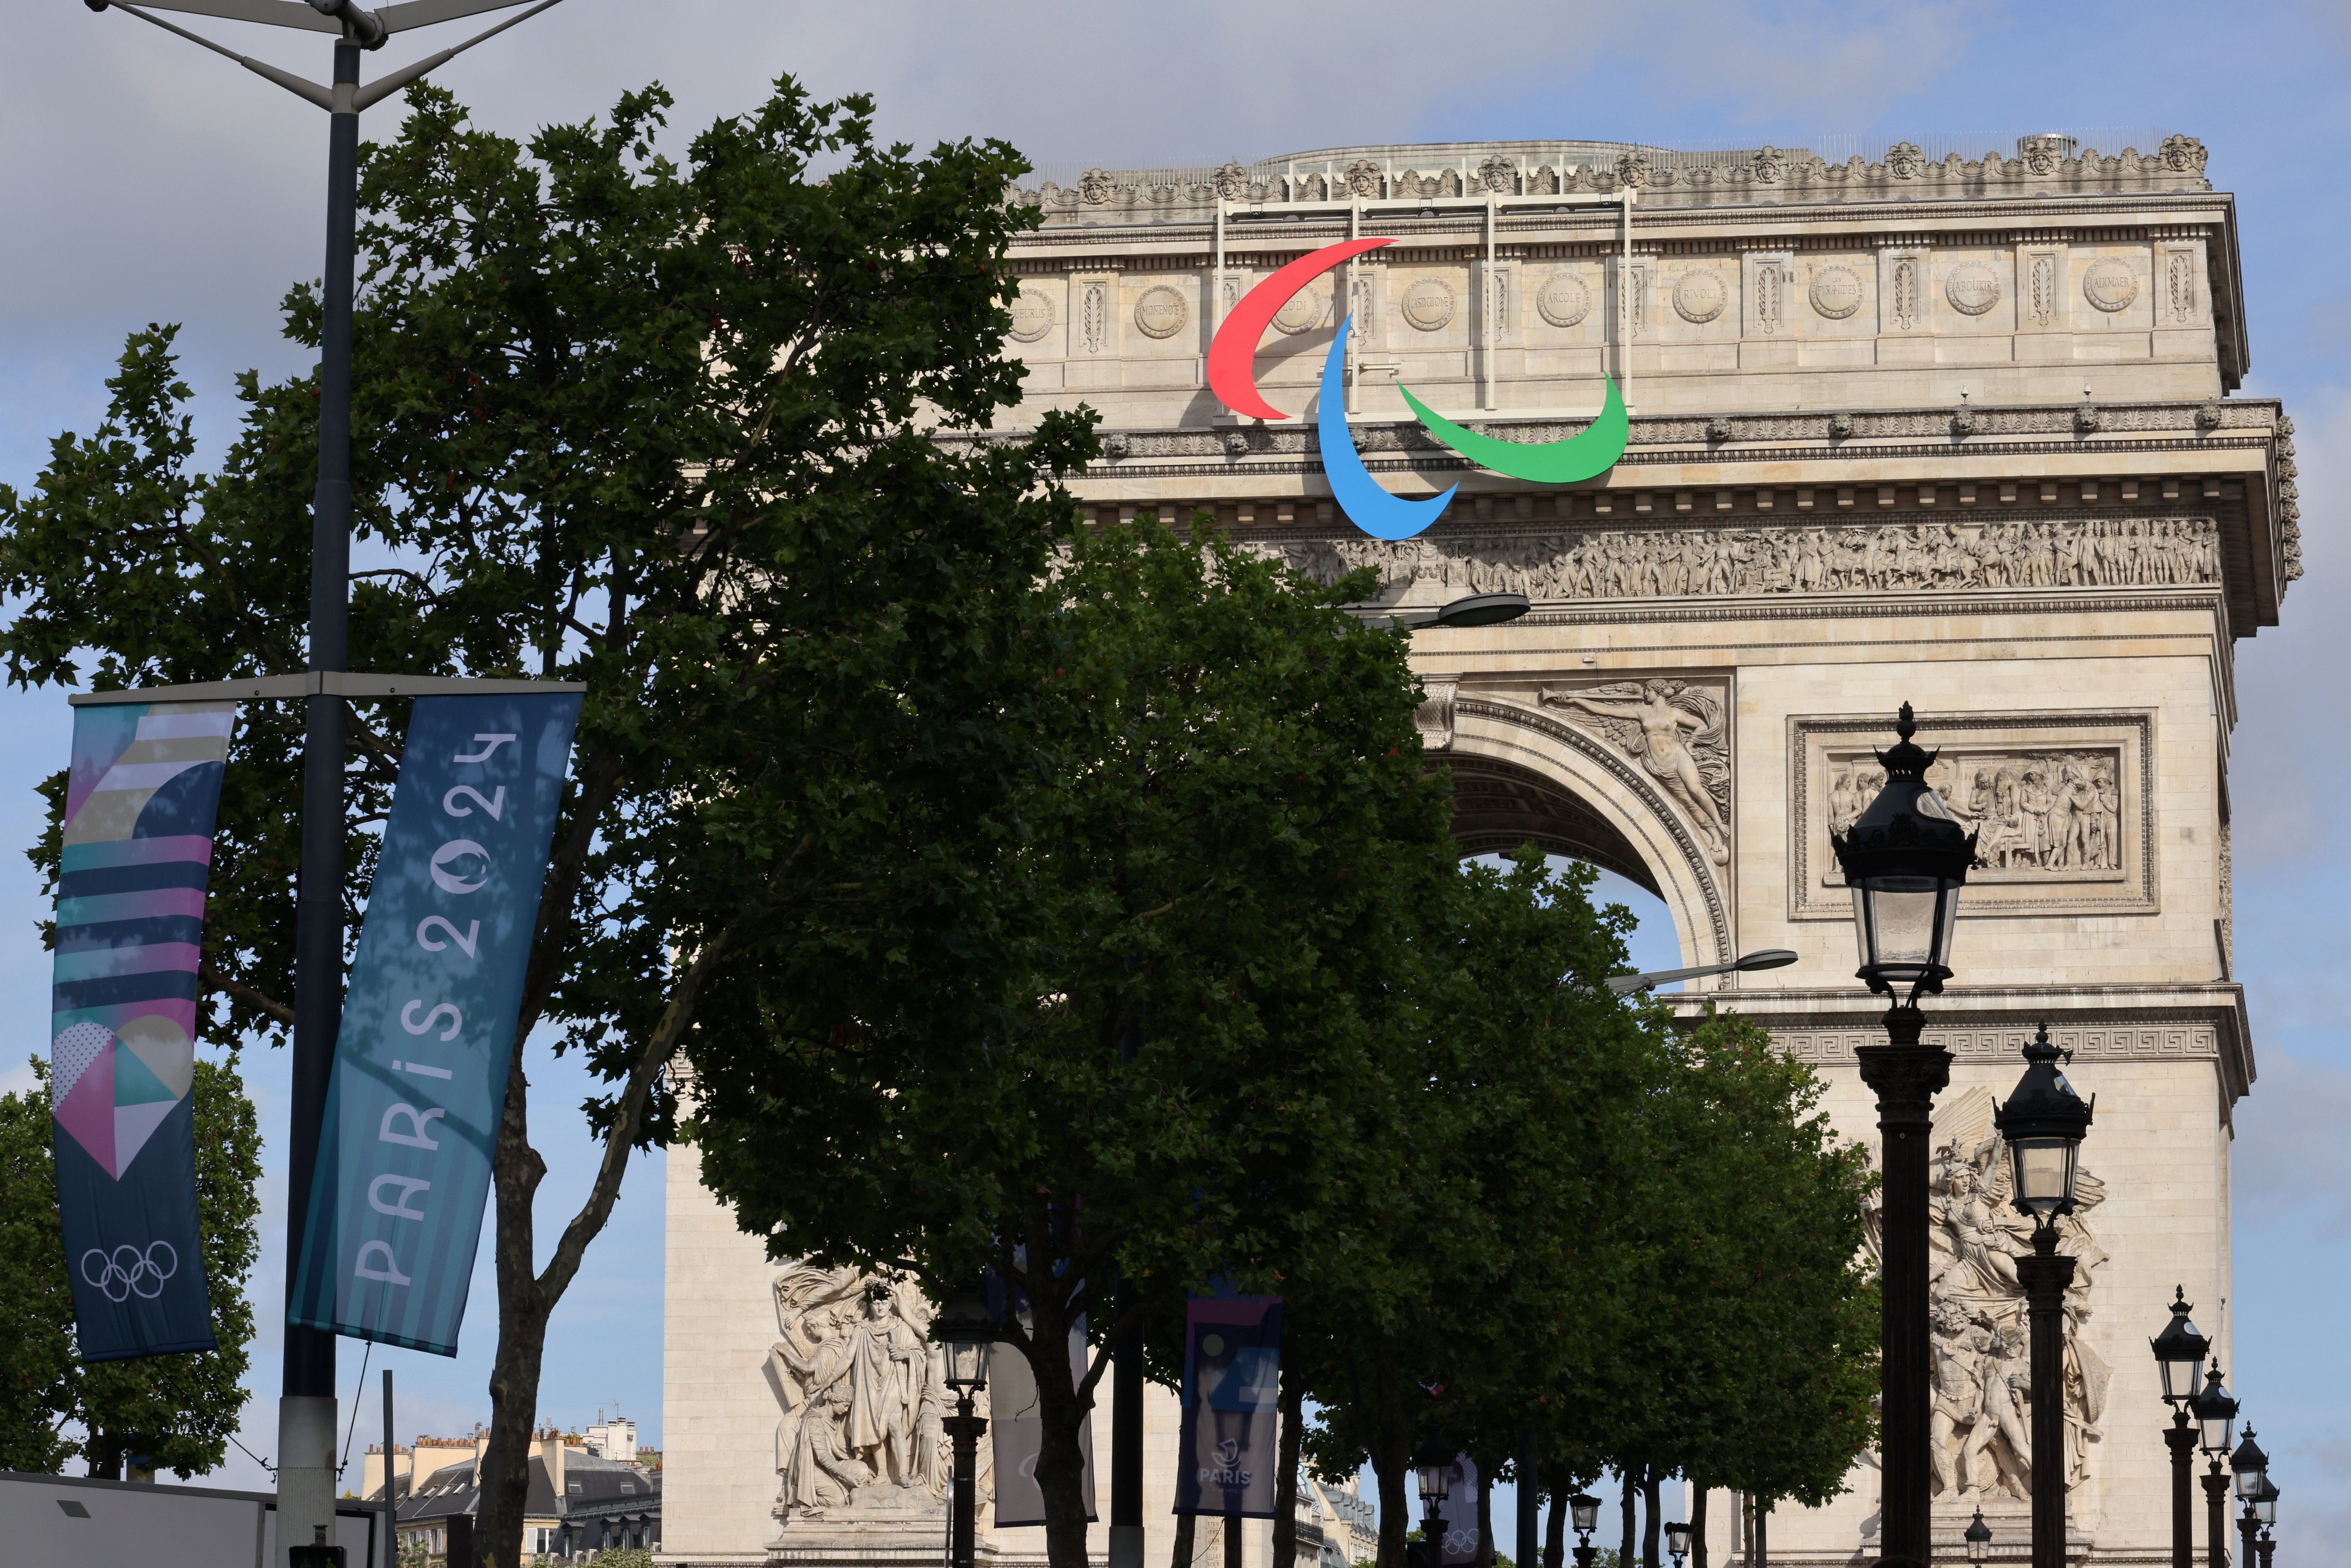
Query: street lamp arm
{"type": "Point", "coordinates": [1768, 958]}
{"type": "Point", "coordinates": [376, 92]}
{"type": "Point", "coordinates": [301, 87]}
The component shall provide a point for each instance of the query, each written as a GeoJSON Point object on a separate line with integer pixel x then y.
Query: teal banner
{"type": "Point", "coordinates": [420, 1074]}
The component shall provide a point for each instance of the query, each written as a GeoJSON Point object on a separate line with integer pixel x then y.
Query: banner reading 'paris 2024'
{"type": "Point", "coordinates": [427, 1036]}
{"type": "Point", "coordinates": [1227, 1462]}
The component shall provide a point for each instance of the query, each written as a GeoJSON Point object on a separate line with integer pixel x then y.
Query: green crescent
{"type": "Point", "coordinates": [1552, 462]}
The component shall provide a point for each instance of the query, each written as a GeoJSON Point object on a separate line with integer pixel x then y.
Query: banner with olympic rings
{"type": "Point", "coordinates": [140, 796]}
{"type": "Point", "coordinates": [1233, 380]}
{"type": "Point", "coordinates": [428, 1029]}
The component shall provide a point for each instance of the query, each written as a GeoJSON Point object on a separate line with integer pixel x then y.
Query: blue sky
{"type": "Point", "coordinates": [145, 181]}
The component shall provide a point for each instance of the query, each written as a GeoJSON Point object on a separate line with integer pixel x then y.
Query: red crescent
{"type": "Point", "coordinates": [1232, 356]}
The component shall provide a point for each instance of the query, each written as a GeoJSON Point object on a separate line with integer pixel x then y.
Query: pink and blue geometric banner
{"type": "Point", "coordinates": [140, 798]}
{"type": "Point", "coordinates": [1227, 1457]}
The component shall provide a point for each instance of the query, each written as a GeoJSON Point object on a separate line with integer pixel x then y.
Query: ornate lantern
{"type": "Point", "coordinates": [1677, 1543]}
{"type": "Point", "coordinates": [1905, 859]}
{"type": "Point", "coordinates": [2179, 1350]}
{"type": "Point", "coordinates": [967, 1330]}
{"type": "Point", "coordinates": [2266, 1505]}
{"type": "Point", "coordinates": [2044, 1122]}
{"type": "Point", "coordinates": [1584, 1510]}
{"type": "Point", "coordinates": [2251, 1467]}
{"type": "Point", "coordinates": [1432, 1463]}
{"type": "Point", "coordinates": [1979, 1540]}
{"type": "Point", "coordinates": [2216, 1412]}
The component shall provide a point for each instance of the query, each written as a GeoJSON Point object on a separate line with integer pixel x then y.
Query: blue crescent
{"type": "Point", "coordinates": [1369, 507]}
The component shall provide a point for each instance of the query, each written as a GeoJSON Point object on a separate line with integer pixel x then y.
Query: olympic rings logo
{"type": "Point", "coordinates": [130, 1271]}
{"type": "Point", "coordinates": [1233, 380]}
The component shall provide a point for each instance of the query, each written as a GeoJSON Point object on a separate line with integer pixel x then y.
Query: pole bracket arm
{"type": "Point", "coordinates": [324, 684]}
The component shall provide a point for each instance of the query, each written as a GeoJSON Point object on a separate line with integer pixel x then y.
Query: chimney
{"type": "Point", "coordinates": [550, 1450]}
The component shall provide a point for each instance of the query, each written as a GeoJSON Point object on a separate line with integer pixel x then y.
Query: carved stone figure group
{"type": "Point", "coordinates": [863, 1395]}
{"type": "Point", "coordinates": [2044, 811]}
{"type": "Point", "coordinates": [1982, 1370]}
{"type": "Point", "coordinates": [1633, 563]}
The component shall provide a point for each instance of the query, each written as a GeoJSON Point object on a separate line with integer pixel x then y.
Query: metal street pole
{"type": "Point", "coordinates": [965, 1429]}
{"type": "Point", "coordinates": [2180, 1436]}
{"type": "Point", "coordinates": [2045, 1276]}
{"type": "Point", "coordinates": [1906, 1075]}
{"type": "Point", "coordinates": [2216, 1517]}
{"type": "Point", "coordinates": [306, 1411]}
{"type": "Point", "coordinates": [2248, 1528]}
{"type": "Point", "coordinates": [1527, 1499]}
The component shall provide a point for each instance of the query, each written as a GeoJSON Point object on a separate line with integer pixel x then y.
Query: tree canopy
{"type": "Point", "coordinates": [175, 1412]}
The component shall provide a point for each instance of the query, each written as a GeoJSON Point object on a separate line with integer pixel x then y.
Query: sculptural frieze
{"type": "Point", "coordinates": [2047, 812]}
{"type": "Point", "coordinates": [1778, 558]}
{"type": "Point", "coordinates": [864, 1394]}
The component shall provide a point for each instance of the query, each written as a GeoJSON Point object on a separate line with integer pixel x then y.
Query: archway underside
{"type": "Point", "coordinates": [1498, 806]}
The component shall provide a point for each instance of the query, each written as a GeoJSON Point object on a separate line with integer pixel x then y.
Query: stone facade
{"type": "Point", "coordinates": [1946, 426]}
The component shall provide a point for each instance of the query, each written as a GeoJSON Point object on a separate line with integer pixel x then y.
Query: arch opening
{"type": "Point", "coordinates": [1498, 805]}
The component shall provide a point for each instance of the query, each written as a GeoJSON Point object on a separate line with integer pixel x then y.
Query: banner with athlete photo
{"type": "Point", "coordinates": [420, 1073]}
{"type": "Point", "coordinates": [140, 796]}
{"type": "Point", "coordinates": [1227, 1457]}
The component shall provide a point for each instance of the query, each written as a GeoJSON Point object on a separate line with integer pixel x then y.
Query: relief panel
{"type": "Point", "coordinates": [2063, 806]}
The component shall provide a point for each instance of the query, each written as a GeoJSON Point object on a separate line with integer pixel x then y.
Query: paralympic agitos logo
{"type": "Point", "coordinates": [1234, 382]}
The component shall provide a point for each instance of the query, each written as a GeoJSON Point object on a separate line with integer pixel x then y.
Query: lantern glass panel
{"type": "Point", "coordinates": [966, 1361]}
{"type": "Point", "coordinates": [1436, 1481]}
{"type": "Point", "coordinates": [2045, 1172]}
{"type": "Point", "coordinates": [1678, 1539]}
{"type": "Point", "coordinates": [2266, 1505]}
{"type": "Point", "coordinates": [1903, 924]}
{"type": "Point", "coordinates": [2220, 1427]}
{"type": "Point", "coordinates": [2183, 1378]}
{"type": "Point", "coordinates": [1585, 1510]}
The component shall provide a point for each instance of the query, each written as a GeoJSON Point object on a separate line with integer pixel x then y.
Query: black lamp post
{"type": "Point", "coordinates": [1906, 859]}
{"type": "Point", "coordinates": [966, 1331]}
{"type": "Point", "coordinates": [2179, 1351]}
{"type": "Point", "coordinates": [1677, 1543]}
{"type": "Point", "coordinates": [2216, 1420]}
{"type": "Point", "coordinates": [2252, 1468]}
{"type": "Point", "coordinates": [1583, 1511]}
{"type": "Point", "coordinates": [1432, 1465]}
{"type": "Point", "coordinates": [2044, 1123]}
{"type": "Point", "coordinates": [2265, 1510]}
{"type": "Point", "coordinates": [1979, 1536]}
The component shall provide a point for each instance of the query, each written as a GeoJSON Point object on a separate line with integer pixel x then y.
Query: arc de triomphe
{"type": "Point", "coordinates": [1954, 429]}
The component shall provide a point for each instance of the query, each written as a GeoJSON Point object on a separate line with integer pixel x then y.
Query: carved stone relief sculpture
{"type": "Point", "coordinates": [1982, 1424]}
{"type": "Point", "coordinates": [1837, 558]}
{"type": "Point", "coordinates": [2063, 805]}
{"type": "Point", "coordinates": [1675, 731]}
{"type": "Point", "coordinates": [863, 1392]}
{"type": "Point", "coordinates": [2047, 812]}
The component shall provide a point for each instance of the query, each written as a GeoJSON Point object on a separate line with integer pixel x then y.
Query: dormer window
{"type": "Point", "coordinates": [628, 1486]}
{"type": "Point", "coordinates": [575, 1488]}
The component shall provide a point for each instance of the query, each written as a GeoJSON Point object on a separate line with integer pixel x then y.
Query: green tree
{"type": "Point", "coordinates": [1201, 915]}
{"type": "Point", "coordinates": [178, 1411]}
{"type": "Point", "coordinates": [661, 427]}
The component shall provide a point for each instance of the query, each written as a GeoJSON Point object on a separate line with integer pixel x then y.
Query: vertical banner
{"type": "Point", "coordinates": [1463, 1543]}
{"type": "Point", "coordinates": [420, 1074]}
{"type": "Point", "coordinates": [140, 796]}
{"type": "Point", "coordinates": [1227, 1457]}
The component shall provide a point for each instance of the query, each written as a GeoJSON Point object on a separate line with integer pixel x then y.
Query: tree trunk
{"type": "Point", "coordinates": [1763, 1541]}
{"type": "Point", "coordinates": [1187, 1527]}
{"type": "Point", "coordinates": [1486, 1516]}
{"type": "Point", "coordinates": [1391, 1451]}
{"type": "Point", "coordinates": [1061, 1410]}
{"type": "Point", "coordinates": [1631, 1489]}
{"type": "Point", "coordinates": [504, 1480]}
{"type": "Point", "coordinates": [1651, 1483]}
{"type": "Point", "coordinates": [1697, 1524]}
{"type": "Point", "coordinates": [1233, 1524]}
{"type": "Point", "coordinates": [1555, 1529]}
{"type": "Point", "coordinates": [1285, 1489]}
